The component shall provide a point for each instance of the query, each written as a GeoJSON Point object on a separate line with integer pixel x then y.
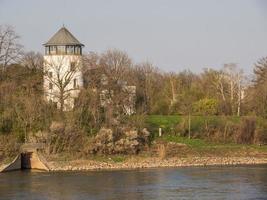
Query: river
{"type": "Point", "coordinates": [240, 182]}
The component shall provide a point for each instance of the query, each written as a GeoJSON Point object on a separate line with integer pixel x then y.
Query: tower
{"type": "Point", "coordinates": [62, 69]}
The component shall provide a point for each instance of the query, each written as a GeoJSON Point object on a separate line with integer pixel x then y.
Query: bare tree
{"type": "Point", "coordinates": [235, 79]}
{"type": "Point", "coordinates": [148, 81]}
{"type": "Point", "coordinates": [171, 87]}
{"type": "Point", "coordinates": [116, 64]}
{"type": "Point", "coordinates": [64, 77]}
{"type": "Point", "coordinates": [32, 60]}
{"type": "Point", "coordinates": [10, 49]}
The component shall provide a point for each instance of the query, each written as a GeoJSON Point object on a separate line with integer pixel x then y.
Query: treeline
{"type": "Point", "coordinates": [212, 92]}
{"type": "Point", "coordinates": [23, 109]}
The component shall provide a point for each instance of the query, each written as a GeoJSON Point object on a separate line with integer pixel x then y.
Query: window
{"type": "Point", "coordinates": [104, 79]}
{"type": "Point", "coordinates": [60, 49]}
{"type": "Point", "coordinates": [78, 50]}
{"type": "Point", "coordinates": [50, 86]}
{"type": "Point", "coordinates": [70, 49]}
{"type": "Point", "coordinates": [53, 49]}
{"type": "Point", "coordinates": [75, 83]}
{"type": "Point", "coordinates": [72, 66]}
{"type": "Point", "coordinates": [50, 74]}
{"type": "Point", "coordinates": [47, 50]}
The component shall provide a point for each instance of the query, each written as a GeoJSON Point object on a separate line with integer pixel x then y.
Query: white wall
{"type": "Point", "coordinates": [60, 65]}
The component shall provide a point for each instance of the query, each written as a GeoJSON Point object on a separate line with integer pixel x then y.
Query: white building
{"type": "Point", "coordinates": [128, 99]}
{"type": "Point", "coordinates": [62, 69]}
{"type": "Point", "coordinates": [63, 74]}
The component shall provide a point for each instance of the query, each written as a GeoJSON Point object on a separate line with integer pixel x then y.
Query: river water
{"type": "Point", "coordinates": [241, 182]}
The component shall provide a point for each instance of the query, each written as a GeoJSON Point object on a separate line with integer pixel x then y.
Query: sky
{"type": "Point", "coordinates": [174, 35]}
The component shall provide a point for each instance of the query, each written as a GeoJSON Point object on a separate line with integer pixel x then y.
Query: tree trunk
{"type": "Point", "coordinates": [239, 97]}
{"type": "Point", "coordinates": [61, 101]}
{"type": "Point", "coordinates": [232, 95]}
{"type": "Point", "coordinates": [173, 92]}
{"type": "Point", "coordinates": [189, 125]}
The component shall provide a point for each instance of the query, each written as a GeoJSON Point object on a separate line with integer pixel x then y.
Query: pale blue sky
{"type": "Point", "coordinates": [172, 34]}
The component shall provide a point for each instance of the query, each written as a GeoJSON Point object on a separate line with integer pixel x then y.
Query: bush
{"type": "Point", "coordinates": [64, 138]}
{"type": "Point", "coordinates": [261, 132]}
{"type": "Point", "coordinates": [9, 147]}
{"type": "Point", "coordinates": [246, 132]}
{"type": "Point", "coordinates": [206, 107]}
{"type": "Point", "coordinates": [6, 122]}
{"type": "Point", "coordinates": [214, 128]}
{"type": "Point", "coordinates": [197, 125]}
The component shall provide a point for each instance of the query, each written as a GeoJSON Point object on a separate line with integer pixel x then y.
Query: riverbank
{"type": "Point", "coordinates": [165, 152]}
{"type": "Point", "coordinates": [138, 163]}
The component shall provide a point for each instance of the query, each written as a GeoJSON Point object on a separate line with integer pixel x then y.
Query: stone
{"type": "Point", "coordinates": [123, 142]}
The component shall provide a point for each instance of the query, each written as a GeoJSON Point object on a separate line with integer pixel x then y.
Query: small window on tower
{"type": "Point", "coordinates": [60, 49]}
{"type": "Point", "coordinates": [70, 49]}
{"type": "Point", "coordinates": [75, 83]}
{"type": "Point", "coordinates": [72, 66]}
{"type": "Point", "coordinates": [77, 50]}
{"type": "Point", "coordinates": [53, 49]}
{"type": "Point", "coordinates": [47, 50]}
{"type": "Point", "coordinates": [50, 86]}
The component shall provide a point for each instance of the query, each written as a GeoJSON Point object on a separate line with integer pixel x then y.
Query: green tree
{"type": "Point", "coordinates": [206, 106]}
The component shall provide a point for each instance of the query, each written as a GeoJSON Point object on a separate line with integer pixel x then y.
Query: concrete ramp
{"type": "Point", "coordinates": [26, 160]}
{"type": "Point", "coordinates": [14, 165]}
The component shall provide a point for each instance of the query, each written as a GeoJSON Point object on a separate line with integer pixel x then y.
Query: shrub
{"type": "Point", "coordinates": [246, 132]}
{"type": "Point", "coordinates": [64, 138]}
{"type": "Point", "coordinates": [261, 132]}
{"type": "Point", "coordinates": [9, 147]}
{"type": "Point", "coordinates": [206, 107]}
{"type": "Point", "coordinates": [196, 127]}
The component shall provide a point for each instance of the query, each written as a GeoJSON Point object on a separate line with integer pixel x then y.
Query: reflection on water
{"type": "Point", "coordinates": [180, 183]}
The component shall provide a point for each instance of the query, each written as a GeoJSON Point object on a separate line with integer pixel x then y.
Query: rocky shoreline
{"type": "Point", "coordinates": [86, 165]}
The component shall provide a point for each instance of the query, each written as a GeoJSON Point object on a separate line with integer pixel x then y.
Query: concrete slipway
{"type": "Point", "coordinates": [28, 158]}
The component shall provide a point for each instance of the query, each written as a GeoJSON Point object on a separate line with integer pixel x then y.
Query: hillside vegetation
{"type": "Point", "coordinates": [213, 109]}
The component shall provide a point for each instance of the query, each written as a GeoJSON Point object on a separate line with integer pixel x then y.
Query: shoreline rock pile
{"type": "Point", "coordinates": [83, 165]}
{"type": "Point", "coordinates": [121, 141]}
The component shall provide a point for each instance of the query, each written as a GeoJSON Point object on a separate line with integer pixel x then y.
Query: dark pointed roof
{"type": "Point", "coordinates": [63, 37]}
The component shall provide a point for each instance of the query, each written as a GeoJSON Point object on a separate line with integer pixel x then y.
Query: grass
{"type": "Point", "coordinates": [175, 125]}
{"type": "Point", "coordinates": [6, 160]}
{"type": "Point", "coordinates": [118, 159]}
{"type": "Point", "coordinates": [163, 121]}
{"type": "Point", "coordinates": [170, 123]}
{"type": "Point", "coordinates": [195, 143]}
{"type": "Point", "coordinates": [203, 146]}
